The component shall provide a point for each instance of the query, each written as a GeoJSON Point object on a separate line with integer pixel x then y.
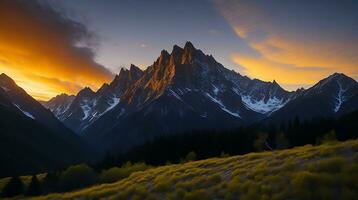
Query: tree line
{"type": "Point", "coordinates": [172, 148]}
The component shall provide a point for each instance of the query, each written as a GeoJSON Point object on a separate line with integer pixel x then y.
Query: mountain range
{"type": "Point", "coordinates": [187, 89]}
{"type": "Point", "coordinates": [181, 91]}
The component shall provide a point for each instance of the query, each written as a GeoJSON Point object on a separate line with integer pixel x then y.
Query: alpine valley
{"type": "Point", "coordinates": [185, 90]}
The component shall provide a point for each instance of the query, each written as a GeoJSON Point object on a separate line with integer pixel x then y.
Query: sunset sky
{"type": "Point", "coordinates": [60, 46]}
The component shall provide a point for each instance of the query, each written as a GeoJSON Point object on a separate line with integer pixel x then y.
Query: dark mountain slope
{"type": "Point", "coordinates": [28, 143]}
{"type": "Point", "coordinates": [29, 106]}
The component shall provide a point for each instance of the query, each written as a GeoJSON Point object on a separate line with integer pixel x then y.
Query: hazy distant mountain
{"type": "Point", "coordinates": [31, 138]}
{"type": "Point", "coordinates": [186, 89]}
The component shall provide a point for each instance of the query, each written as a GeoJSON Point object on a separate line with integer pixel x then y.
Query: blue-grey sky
{"type": "Point", "coordinates": [295, 42]}
{"type": "Point", "coordinates": [135, 31]}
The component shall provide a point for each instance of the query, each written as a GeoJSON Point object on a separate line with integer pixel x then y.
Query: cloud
{"type": "Point", "coordinates": [285, 74]}
{"type": "Point", "coordinates": [143, 45]}
{"type": "Point", "coordinates": [41, 48]}
{"type": "Point", "coordinates": [294, 43]}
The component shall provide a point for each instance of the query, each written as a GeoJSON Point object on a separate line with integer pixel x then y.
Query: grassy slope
{"type": "Point", "coordinates": [329, 171]}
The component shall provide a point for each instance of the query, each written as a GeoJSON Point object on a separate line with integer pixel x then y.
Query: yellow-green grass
{"type": "Point", "coordinates": [328, 171]}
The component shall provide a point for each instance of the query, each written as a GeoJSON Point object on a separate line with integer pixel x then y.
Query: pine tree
{"type": "Point", "coordinates": [13, 188]}
{"type": "Point", "coordinates": [281, 141]}
{"type": "Point", "coordinates": [260, 142]}
{"type": "Point", "coordinates": [34, 188]}
{"type": "Point", "coordinates": [191, 156]}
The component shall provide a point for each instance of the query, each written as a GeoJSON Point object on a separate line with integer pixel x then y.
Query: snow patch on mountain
{"type": "Point", "coordinates": [260, 106]}
{"type": "Point", "coordinates": [89, 108]}
{"type": "Point", "coordinates": [339, 98]}
{"type": "Point", "coordinates": [215, 89]}
{"type": "Point", "coordinates": [86, 110]}
{"type": "Point", "coordinates": [115, 101]}
{"type": "Point", "coordinates": [231, 113]}
{"type": "Point", "coordinates": [222, 106]}
{"type": "Point", "coordinates": [175, 94]}
{"type": "Point", "coordinates": [60, 110]}
{"type": "Point", "coordinates": [25, 112]}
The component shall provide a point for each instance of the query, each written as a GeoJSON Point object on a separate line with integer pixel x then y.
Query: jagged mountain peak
{"type": "Point", "coordinates": [336, 74]}
{"type": "Point", "coordinates": [126, 77]}
{"type": "Point", "coordinates": [165, 53]}
{"type": "Point", "coordinates": [187, 54]}
{"type": "Point", "coordinates": [339, 77]}
{"type": "Point", "coordinates": [87, 91]}
{"type": "Point", "coordinates": [4, 76]}
{"type": "Point", "coordinates": [269, 84]}
{"type": "Point", "coordinates": [6, 81]}
{"type": "Point", "coordinates": [299, 90]}
{"type": "Point", "coordinates": [189, 46]}
{"type": "Point", "coordinates": [176, 49]}
{"type": "Point", "coordinates": [58, 99]}
{"type": "Point", "coordinates": [334, 79]}
{"type": "Point", "coordinates": [178, 66]}
{"type": "Point", "coordinates": [163, 59]}
{"type": "Point", "coordinates": [63, 95]}
{"type": "Point", "coordinates": [103, 88]}
{"type": "Point", "coordinates": [134, 68]}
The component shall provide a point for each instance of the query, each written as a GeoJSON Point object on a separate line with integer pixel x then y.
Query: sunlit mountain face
{"type": "Point", "coordinates": [52, 47]}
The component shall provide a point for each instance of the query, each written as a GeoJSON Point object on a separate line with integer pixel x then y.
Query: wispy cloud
{"type": "Point", "coordinates": [289, 50]}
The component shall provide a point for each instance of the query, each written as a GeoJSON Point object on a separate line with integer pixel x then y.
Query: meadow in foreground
{"type": "Point", "coordinates": [328, 171]}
